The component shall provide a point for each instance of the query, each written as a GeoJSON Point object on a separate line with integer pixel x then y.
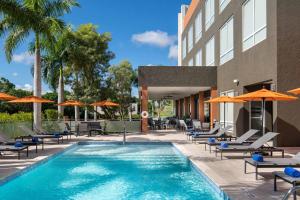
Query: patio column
{"type": "Point", "coordinates": [177, 108]}
{"type": "Point", "coordinates": [213, 107]}
{"type": "Point", "coordinates": [201, 106]}
{"type": "Point", "coordinates": [186, 107]}
{"type": "Point", "coordinates": [192, 106]}
{"type": "Point", "coordinates": [144, 108]}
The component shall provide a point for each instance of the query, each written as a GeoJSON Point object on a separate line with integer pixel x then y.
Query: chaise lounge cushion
{"type": "Point", "coordinates": [292, 172]}
{"type": "Point", "coordinates": [258, 158]}
{"type": "Point", "coordinates": [224, 145]}
{"type": "Point", "coordinates": [18, 144]}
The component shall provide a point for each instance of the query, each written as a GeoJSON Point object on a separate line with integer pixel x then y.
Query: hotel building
{"type": "Point", "coordinates": [231, 47]}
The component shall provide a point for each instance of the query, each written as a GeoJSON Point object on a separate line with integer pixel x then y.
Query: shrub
{"type": "Point", "coordinates": [16, 117]}
{"type": "Point", "coordinates": [51, 114]}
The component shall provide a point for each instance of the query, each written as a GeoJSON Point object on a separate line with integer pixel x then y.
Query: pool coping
{"type": "Point", "coordinates": [215, 186]}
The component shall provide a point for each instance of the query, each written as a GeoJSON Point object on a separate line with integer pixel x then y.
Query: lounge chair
{"type": "Point", "coordinates": [27, 143]}
{"type": "Point", "coordinates": [273, 163]}
{"type": "Point", "coordinates": [292, 180]}
{"type": "Point", "coordinates": [239, 141]}
{"type": "Point", "coordinates": [257, 146]}
{"type": "Point", "coordinates": [11, 148]}
{"type": "Point", "coordinates": [220, 134]}
{"type": "Point", "coordinates": [44, 132]}
{"type": "Point", "coordinates": [94, 127]}
{"type": "Point", "coordinates": [39, 136]}
{"type": "Point", "coordinates": [211, 132]}
{"type": "Point", "coordinates": [197, 125]}
{"type": "Point", "coordinates": [185, 127]}
{"type": "Point", "coordinates": [33, 142]}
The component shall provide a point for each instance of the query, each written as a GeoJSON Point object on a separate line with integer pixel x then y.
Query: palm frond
{"type": "Point", "coordinates": [57, 8]}
{"type": "Point", "coordinates": [13, 40]}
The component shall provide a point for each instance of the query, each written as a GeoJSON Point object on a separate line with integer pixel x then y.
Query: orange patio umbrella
{"type": "Point", "coordinates": [105, 103]}
{"type": "Point", "coordinates": [6, 97]}
{"type": "Point", "coordinates": [71, 103]}
{"type": "Point", "coordinates": [31, 99]}
{"type": "Point", "coordinates": [224, 100]}
{"type": "Point", "coordinates": [295, 91]}
{"type": "Point", "coordinates": [264, 95]}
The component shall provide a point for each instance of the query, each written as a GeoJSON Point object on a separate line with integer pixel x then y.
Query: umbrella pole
{"type": "Point", "coordinates": [224, 114]}
{"type": "Point", "coordinates": [32, 117]}
{"type": "Point", "coordinates": [263, 116]}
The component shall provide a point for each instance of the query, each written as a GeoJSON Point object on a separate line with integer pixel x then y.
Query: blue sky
{"type": "Point", "coordinates": [143, 32]}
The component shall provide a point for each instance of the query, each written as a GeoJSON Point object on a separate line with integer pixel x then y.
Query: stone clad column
{"type": "Point", "coordinates": [186, 107]}
{"type": "Point", "coordinates": [201, 106]}
{"type": "Point", "coordinates": [214, 113]}
{"type": "Point", "coordinates": [192, 107]}
{"type": "Point", "coordinates": [144, 108]}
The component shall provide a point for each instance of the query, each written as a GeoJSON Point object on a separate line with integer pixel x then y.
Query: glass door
{"type": "Point", "coordinates": [256, 115]}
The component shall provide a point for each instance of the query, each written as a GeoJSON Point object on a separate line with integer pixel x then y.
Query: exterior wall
{"type": "Point", "coordinates": [179, 52]}
{"type": "Point", "coordinates": [249, 67]}
{"type": "Point", "coordinates": [288, 56]}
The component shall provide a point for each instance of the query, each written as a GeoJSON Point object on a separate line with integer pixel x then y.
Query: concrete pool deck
{"type": "Point", "coordinates": [227, 173]}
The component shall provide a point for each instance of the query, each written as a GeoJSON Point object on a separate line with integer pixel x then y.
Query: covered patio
{"type": "Point", "coordinates": [189, 87]}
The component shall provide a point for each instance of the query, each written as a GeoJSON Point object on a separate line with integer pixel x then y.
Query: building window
{"type": "Point", "coordinates": [210, 52]}
{"type": "Point", "coordinates": [254, 22]}
{"type": "Point", "coordinates": [190, 38]}
{"type": "Point", "coordinates": [209, 13]}
{"type": "Point", "coordinates": [191, 62]}
{"type": "Point", "coordinates": [223, 4]}
{"type": "Point", "coordinates": [184, 48]}
{"type": "Point", "coordinates": [227, 111]}
{"type": "Point", "coordinates": [198, 58]}
{"type": "Point", "coordinates": [226, 41]}
{"type": "Point", "coordinates": [198, 26]}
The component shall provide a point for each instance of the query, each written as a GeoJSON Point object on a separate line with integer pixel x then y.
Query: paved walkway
{"type": "Point", "coordinates": [228, 173]}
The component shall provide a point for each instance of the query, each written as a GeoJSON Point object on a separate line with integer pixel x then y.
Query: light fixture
{"type": "Point", "coordinates": [236, 81]}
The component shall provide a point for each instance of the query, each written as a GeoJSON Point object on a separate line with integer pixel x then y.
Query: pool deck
{"type": "Point", "coordinates": [227, 173]}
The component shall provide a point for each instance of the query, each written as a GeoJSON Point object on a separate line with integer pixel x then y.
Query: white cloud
{"type": "Point", "coordinates": [25, 58]}
{"type": "Point", "coordinates": [27, 87]}
{"type": "Point", "coordinates": [15, 74]}
{"type": "Point", "coordinates": [173, 52]}
{"type": "Point", "coordinates": [156, 38]}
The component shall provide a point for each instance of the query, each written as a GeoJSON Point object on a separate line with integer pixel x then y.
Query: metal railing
{"type": "Point", "coordinates": [292, 191]}
{"type": "Point", "coordinates": [15, 129]}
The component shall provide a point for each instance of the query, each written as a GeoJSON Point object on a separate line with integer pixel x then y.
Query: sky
{"type": "Point", "coordinates": [144, 32]}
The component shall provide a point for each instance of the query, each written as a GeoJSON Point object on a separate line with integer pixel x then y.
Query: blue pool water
{"type": "Point", "coordinates": [112, 172]}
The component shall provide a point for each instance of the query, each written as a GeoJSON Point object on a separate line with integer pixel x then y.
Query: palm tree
{"type": "Point", "coordinates": [53, 62]}
{"type": "Point", "coordinates": [40, 17]}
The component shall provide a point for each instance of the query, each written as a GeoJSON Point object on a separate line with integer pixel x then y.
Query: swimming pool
{"type": "Point", "coordinates": [110, 171]}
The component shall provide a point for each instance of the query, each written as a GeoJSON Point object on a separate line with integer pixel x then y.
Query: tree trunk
{"type": "Point", "coordinates": [85, 114]}
{"type": "Point", "coordinates": [130, 113]}
{"type": "Point", "coordinates": [76, 114]}
{"type": "Point", "coordinates": [61, 92]}
{"type": "Point", "coordinates": [37, 86]}
{"type": "Point", "coordinates": [95, 113]}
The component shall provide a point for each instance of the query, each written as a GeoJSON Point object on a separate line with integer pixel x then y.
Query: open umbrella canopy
{"type": "Point", "coordinates": [31, 99]}
{"type": "Point", "coordinates": [266, 95]}
{"type": "Point", "coordinates": [295, 91]}
{"type": "Point", "coordinates": [105, 103]}
{"type": "Point", "coordinates": [6, 97]}
{"type": "Point", "coordinates": [225, 99]}
{"type": "Point", "coordinates": [71, 103]}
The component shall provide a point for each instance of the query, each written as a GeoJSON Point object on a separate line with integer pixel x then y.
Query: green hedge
{"type": "Point", "coordinates": [16, 117]}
